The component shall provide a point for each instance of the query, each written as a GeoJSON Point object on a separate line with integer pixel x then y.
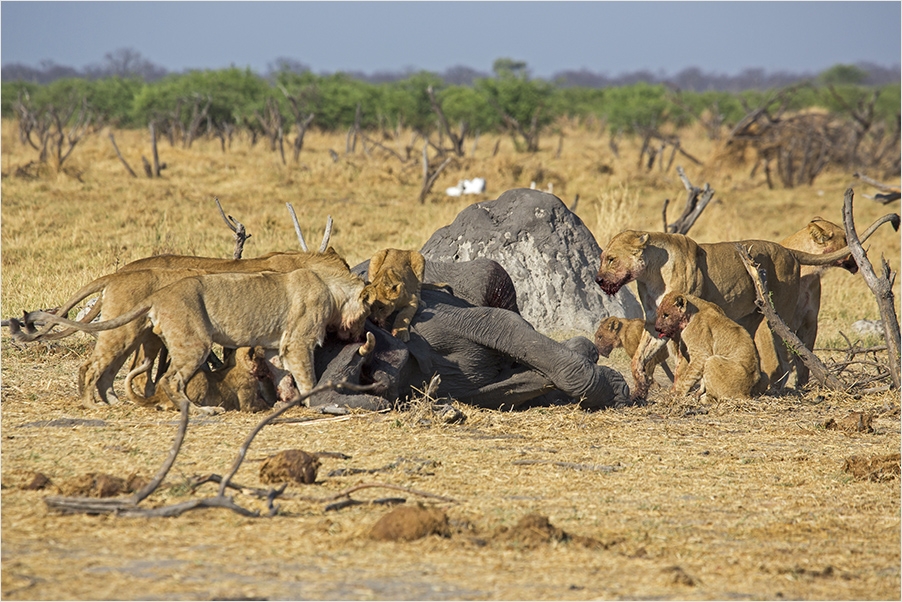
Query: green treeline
{"type": "Point", "coordinates": [509, 101]}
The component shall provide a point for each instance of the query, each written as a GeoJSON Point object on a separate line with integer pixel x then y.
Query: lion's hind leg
{"type": "Point", "coordinates": [725, 378]}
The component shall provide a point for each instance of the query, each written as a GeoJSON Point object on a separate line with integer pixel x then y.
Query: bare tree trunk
{"type": "Point", "coordinates": [153, 146]}
{"type": "Point", "coordinates": [121, 158]}
{"type": "Point", "coordinates": [882, 287]}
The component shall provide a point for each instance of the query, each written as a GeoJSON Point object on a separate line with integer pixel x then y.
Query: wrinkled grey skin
{"type": "Point", "coordinates": [486, 356]}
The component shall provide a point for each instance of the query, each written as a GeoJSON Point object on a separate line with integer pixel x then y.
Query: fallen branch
{"type": "Point", "coordinates": [882, 287]}
{"type": "Point", "coordinates": [129, 506]}
{"type": "Point", "coordinates": [778, 326]}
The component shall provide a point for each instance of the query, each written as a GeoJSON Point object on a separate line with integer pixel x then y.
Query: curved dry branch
{"type": "Point", "coordinates": [297, 227]}
{"type": "Point", "coordinates": [327, 234]}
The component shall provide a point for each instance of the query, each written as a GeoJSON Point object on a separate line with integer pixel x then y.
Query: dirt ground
{"type": "Point", "coordinates": [754, 500]}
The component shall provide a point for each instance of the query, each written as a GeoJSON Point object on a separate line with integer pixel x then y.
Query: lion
{"type": "Point", "coordinates": [662, 262]}
{"type": "Point", "coordinates": [614, 332]}
{"type": "Point", "coordinates": [396, 277]}
{"type": "Point", "coordinates": [714, 351]}
{"type": "Point", "coordinates": [123, 290]}
{"type": "Point", "coordinates": [289, 311]}
{"type": "Point", "coordinates": [819, 237]}
{"type": "Point", "coordinates": [234, 386]}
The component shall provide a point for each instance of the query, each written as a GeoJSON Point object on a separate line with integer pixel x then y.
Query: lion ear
{"type": "Point", "coordinates": [418, 263]}
{"type": "Point", "coordinates": [615, 326]}
{"type": "Point", "coordinates": [643, 239]}
{"type": "Point", "coordinates": [680, 301]}
{"type": "Point", "coordinates": [817, 233]}
{"type": "Point", "coordinates": [376, 263]}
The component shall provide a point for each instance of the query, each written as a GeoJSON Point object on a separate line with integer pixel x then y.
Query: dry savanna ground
{"type": "Point", "coordinates": [793, 497]}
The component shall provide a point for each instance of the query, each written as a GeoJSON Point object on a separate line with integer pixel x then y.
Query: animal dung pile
{"type": "Point", "coordinates": [534, 530]}
{"type": "Point", "coordinates": [98, 484]}
{"type": "Point", "coordinates": [408, 523]}
{"type": "Point", "coordinates": [855, 422]}
{"type": "Point", "coordinates": [873, 468]}
{"type": "Point", "coordinates": [290, 466]}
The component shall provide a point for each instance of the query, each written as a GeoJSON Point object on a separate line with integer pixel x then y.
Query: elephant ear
{"type": "Point", "coordinates": [376, 263]}
{"type": "Point", "coordinates": [421, 352]}
{"type": "Point", "coordinates": [418, 263]}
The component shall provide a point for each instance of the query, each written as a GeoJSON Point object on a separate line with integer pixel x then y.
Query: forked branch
{"type": "Point", "coordinates": [778, 326]}
{"type": "Point", "coordinates": [881, 286]}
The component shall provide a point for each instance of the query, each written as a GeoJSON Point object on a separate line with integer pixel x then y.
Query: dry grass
{"type": "Point", "coordinates": [721, 501]}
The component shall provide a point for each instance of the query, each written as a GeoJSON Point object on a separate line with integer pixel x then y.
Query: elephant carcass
{"type": "Point", "coordinates": [485, 356]}
{"type": "Point", "coordinates": [549, 253]}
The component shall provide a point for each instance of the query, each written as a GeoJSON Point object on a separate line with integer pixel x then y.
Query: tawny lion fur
{"type": "Point", "coordinates": [614, 332]}
{"type": "Point", "coordinates": [714, 351]}
{"type": "Point", "coordinates": [126, 288]}
{"type": "Point", "coordinates": [233, 386]}
{"type": "Point", "coordinates": [661, 263]}
{"type": "Point", "coordinates": [396, 278]}
{"type": "Point", "coordinates": [290, 312]}
{"type": "Point", "coordinates": [819, 237]}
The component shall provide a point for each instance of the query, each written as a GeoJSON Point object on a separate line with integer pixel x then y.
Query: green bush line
{"type": "Point", "coordinates": [236, 96]}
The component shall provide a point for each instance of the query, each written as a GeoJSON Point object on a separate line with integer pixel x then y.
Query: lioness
{"type": "Point", "coordinates": [661, 263]}
{"type": "Point", "coordinates": [396, 278]}
{"type": "Point", "coordinates": [714, 351]}
{"type": "Point", "coordinates": [234, 386]}
{"type": "Point", "coordinates": [819, 237]}
{"type": "Point", "coordinates": [123, 290]}
{"type": "Point", "coordinates": [289, 312]}
{"type": "Point", "coordinates": [614, 332]}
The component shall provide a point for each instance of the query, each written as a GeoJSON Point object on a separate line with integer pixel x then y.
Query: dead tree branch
{"type": "Point", "coordinates": [429, 178]}
{"type": "Point", "coordinates": [129, 506]}
{"type": "Point", "coordinates": [457, 141]}
{"type": "Point", "coordinates": [121, 158]}
{"type": "Point", "coordinates": [881, 286]}
{"type": "Point", "coordinates": [696, 201]}
{"type": "Point", "coordinates": [235, 226]}
{"type": "Point", "coordinates": [892, 193]}
{"type": "Point", "coordinates": [297, 228]}
{"type": "Point", "coordinates": [779, 327]}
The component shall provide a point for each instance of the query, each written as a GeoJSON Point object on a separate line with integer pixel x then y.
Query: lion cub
{"type": "Point", "coordinates": [234, 386]}
{"type": "Point", "coordinates": [614, 332]}
{"type": "Point", "coordinates": [714, 351]}
{"type": "Point", "coordinates": [395, 280]}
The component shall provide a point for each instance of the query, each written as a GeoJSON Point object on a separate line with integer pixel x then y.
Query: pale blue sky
{"type": "Point", "coordinates": [604, 37]}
